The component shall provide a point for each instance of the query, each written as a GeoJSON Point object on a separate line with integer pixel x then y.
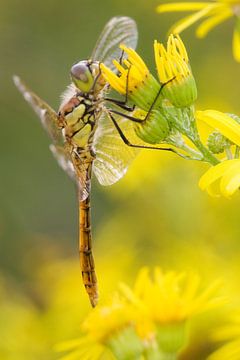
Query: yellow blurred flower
{"type": "Point", "coordinates": [230, 334]}
{"type": "Point", "coordinates": [213, 13]}
{"type": "Point", "coordinates": [151, 317]}
{"type": "Point", "coordinates": [103, 323]}
{"type": "Point", "coordinates": [170, 297]}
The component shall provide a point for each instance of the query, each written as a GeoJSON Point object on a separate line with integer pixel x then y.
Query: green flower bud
{"type": "Point", "coordinates": [181, 91]}
{"type": "Point", "coordinates": [217, 143]}
{"type": "Point", "coordinates": [154, 129]}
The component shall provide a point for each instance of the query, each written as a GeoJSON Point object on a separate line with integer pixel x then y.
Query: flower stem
{"type": "Point", "coordinates": [168, 356]}
{"type": "Point", "coordinates": [207, 155]}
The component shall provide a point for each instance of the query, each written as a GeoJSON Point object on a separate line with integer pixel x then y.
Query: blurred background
{"type": "Point", "coordinates": [156, 215]}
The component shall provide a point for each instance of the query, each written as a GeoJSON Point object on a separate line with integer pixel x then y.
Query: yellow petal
{"type": "Point", "coordinates": [222, 122]}
{"type": "Point", "coordinates": [182, 6]}
{"type": "Point", "coordinates": [215, 173]}
{"type": "Point", "coordinates": [236, 44]}
{"type": "Point", "coordinates": [231, 180]}
{"type": "Point", "coordinates": [212, 22]}
{"type": "Point", "coordinates": [189, 20]}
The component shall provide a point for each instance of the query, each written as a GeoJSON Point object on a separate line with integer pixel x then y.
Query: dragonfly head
{"type": "Point", "coordinates": [86, 76]}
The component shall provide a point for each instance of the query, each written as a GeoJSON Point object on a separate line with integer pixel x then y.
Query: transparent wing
{"type": "Point", "coordinates": [64, 160]}
{"type": "Point", "coordinates": [113, 157]}
{"type": "Point", "coordinates": [76, 169]}
{"type": "Point", "coordinates": [119, 30]}
{"type": "Point", "coordinates": [49, 119]}
{"type": "Point", "coordinates": [47, 115]}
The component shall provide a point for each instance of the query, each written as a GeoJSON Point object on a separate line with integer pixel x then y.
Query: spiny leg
{"type": "Point", "coordinates": [132, 118]}
{"type": "Point", "coordinates": [123, 103]}
{"type": "Point", "coordinates": [128, 143]}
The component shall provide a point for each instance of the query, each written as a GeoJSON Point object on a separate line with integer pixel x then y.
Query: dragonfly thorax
{"type": "Point", "coordinates": [87, 77]}
{"type": "Point", "coordinates": [77, 118]}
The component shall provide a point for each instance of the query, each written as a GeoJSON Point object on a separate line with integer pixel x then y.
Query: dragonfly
{"type": "Point", "coordinates": [84, 139]}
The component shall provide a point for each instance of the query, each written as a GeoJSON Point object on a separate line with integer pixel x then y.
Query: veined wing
{"type": "Point", "coordinates": [49, 120]}
{"type": "Point", "coordinates": [76, 169]}
{"type": "Point", "coordinates": [47, 115]}
{"type": "Point", "coordinates": [119, 30]}
{"type": "Point", "coordinates": [64, 160]}
{"type": "Point", "coordinates": [113, 157]}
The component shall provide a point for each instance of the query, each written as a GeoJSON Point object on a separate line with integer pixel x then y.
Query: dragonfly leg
{"type": "Point", "coordinates": [132, 118]}
{"type": "Point", "coordinates": [156, 98]}
{"type": "Point", "coordinates": [123, 103]}
{"type": "Point", "coordinates": [128, 143]}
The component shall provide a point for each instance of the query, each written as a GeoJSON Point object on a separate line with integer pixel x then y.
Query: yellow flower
{"type": "Point", "coordinates": [150, 317]}
{"type": "Point", "coordinates": [103, 323]}
{"type": "Point", "coordinates": [213, 13]}
{"type": "Point", "coordinates": [223, 178]}
{"type": "Point", "coordinates": [224, 123]}
{"type": "Point", "coordinates": [142, 88]}
{"type": "Point", "coordinates": [163, 306]}
{"type": "Point", "coordinates": [134, 79]}
{"type": "Point", "coordinates": [170, 297]}
{"type": "Point", "coordinates": [173, 68]}
{"type": "Point", "coordinates": [230, 334]}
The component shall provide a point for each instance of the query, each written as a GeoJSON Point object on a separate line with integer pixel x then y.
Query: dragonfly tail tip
{"type": "Point", "coordinates": [94, 301]}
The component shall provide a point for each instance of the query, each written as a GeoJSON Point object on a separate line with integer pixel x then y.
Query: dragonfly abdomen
{"type": "Point", "coordinates": [153, 129]}
{"type": "Point", "coordinates": [85, 252]}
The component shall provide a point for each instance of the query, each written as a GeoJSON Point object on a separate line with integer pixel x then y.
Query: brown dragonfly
{"type": "Point", "coordinates": [84, 138]}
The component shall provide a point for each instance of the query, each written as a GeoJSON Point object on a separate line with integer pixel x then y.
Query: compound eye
{"type": "Point", "coordinates": [82, 76]}
{"type": "Point", "coordinates": [79, 72]}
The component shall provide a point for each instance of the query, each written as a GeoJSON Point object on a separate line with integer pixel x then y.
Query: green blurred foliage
{"type": "Point", "coordinates": [156, 215]}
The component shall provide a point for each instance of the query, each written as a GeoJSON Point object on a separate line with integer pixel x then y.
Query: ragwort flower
{"type": "Point", "coordinates": [164, 304]}
{"type": "Point", "coordinates": [148, 322]}
{"type": "Point", "coordinates": [107, 330]}
{"type": "Point", "coordinates": [213, 13]}
{"type": "Point", "coordinates": [230, 335]}
{"type": "Point", "coordinates": [134, 78]}
{"type": "Point", "coordinates": [223, 178]}
{"type": "Point", "coordinates": [174, 71]}
{"type": "Point", "coordinates": [142, 88]}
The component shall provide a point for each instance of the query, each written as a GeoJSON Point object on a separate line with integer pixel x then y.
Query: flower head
{"type": "Point", "coordinates": [169, 297]}
{"type": "Point", "coordinates": [163, 305]}
{"type": "Point", "coordinates": [100, 328]}
{"type": "Point", "coordinates": [174, 71]}
{"type": "Point", "coordinates": [103, 321]}
{"type": "Point", "coordinates": [134, 79]}
{"type": "Point", "coordinates": [213, 13]}
{"type": "Point", "coordinates": [142, 88]}
{"type": "Point", "coordinates": [151, 317]}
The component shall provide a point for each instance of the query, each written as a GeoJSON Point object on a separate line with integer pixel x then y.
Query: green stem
{"type": "Point", "coordinates": [229, 153]}
{"type": "Point", "coordinates": [195, 154]}
{"type": "Point", "coordinates": [168, 356]}
{"type": "Point", "coordinates": [236, 155]}
{"type": "Point", "coordinates": [207, 155]}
